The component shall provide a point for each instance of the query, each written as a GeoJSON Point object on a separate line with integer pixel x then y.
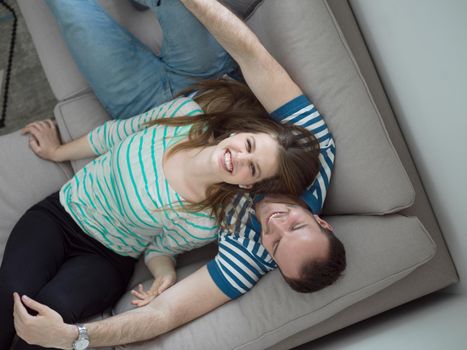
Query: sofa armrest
{"type": "Point", "coordinates": [25, 179]}
{"type": "Point", "coordinates": [76, 117]}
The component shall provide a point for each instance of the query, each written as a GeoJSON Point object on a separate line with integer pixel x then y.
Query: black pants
{"type": "Point", "coordinates": [49, 258]}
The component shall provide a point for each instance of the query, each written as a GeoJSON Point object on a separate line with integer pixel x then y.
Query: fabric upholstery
{"type": "Point", "coordinates": [369, 177]}
{"type": "Point", "coordinates": [25, 179]}
{"type": "Point", "coordinates": [76, 117]}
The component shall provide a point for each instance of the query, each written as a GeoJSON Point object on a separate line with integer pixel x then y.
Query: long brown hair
{"type": "Point", "coordinates": [229, 107]}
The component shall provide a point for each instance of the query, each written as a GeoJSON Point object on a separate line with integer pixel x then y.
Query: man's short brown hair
{"type": "Point", "coordinates": [317, 274]}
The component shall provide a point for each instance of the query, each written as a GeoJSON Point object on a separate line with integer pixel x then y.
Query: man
{"type": "Point", "coordinates": [286, 234]}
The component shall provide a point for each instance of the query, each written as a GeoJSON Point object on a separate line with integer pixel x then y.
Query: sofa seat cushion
{"type": "Point", "coordinates": [303, 36]}
{"type": "Point", "coordinates": [380, 251]}
{"type": "Point", "coordinates": [25, 179]}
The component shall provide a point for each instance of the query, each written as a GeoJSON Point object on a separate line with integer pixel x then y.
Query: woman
{"type": "Point", "coordinates": [159, 186]}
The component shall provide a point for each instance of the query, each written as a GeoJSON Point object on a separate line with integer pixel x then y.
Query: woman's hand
{"type": "Point", "coordinates": [161, 283]}
{"type": "Point", "coordinates": [43, 138]}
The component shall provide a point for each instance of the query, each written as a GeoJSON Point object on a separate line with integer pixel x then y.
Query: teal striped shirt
{"type": "Point", "coordinates": [122, 198]}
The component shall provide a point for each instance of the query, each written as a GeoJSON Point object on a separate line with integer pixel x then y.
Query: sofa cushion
{"type": "Point", "coordinates": [380, 251]}
{"type": "Point", "coordinates": [76, 117]}
{"type": "Point", "coordinates": [25, 179]}
{"type": "Point", "coordinates": [369, 177]}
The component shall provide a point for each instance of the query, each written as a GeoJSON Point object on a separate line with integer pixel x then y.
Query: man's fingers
{"type": "Point", "coordinates": [19, 311]}
{"type": "Point", "coordinates": [34, 305]}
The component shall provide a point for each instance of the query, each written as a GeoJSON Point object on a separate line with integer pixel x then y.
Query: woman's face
{"type": "Point", "coordinates": [247, 158]}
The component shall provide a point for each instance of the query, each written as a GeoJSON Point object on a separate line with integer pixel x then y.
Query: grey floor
{"type": "Point", "coordinates": [30, 97]}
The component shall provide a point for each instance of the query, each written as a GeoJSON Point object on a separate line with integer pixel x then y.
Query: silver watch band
{"type": "Point", "coordinates": [82, 342]}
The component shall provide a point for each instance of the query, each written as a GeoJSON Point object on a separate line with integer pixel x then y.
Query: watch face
{"type": "Point", "coordinates": [81, 344]}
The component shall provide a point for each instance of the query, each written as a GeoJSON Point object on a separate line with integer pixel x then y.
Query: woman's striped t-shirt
{"type": "Point", "coordinates": [122, 198]}
{"type": "Point", "coordinates": [242, 260]}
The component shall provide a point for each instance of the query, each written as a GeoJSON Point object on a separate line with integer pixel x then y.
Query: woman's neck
{"type": "Point", "coordinates": [195, 172]}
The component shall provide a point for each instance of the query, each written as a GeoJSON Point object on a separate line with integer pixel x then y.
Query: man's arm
{"type": "Point", "coordinates": [188, 299]}
{"type": "Point", "coordinates": [271, 84]}
{"type": "Point", "coordinates": [267, 79]}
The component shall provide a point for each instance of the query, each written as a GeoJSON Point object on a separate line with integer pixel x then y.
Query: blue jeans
{"type": "Point", "coordinates": [126, 76]}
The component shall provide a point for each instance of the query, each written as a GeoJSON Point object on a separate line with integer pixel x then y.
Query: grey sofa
{"type": "Point", "coordinates": [376, 202]}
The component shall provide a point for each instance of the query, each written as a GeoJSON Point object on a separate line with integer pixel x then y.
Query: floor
{"type": "Point", "coordinates": [30, 97]}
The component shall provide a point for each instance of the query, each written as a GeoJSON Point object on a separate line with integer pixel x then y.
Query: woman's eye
{"type": "Point", "coordinates": [248, 145]}
{"type": "Point", "coordinates": [253, 170]}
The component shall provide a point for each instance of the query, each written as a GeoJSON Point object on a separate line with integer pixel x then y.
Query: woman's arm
{"type": "Point", "coordinates": [267, 79]}
{"type": "Point", "coordinates": [162, 268]}
{"type": "Point", "coordinates": [45, 142]}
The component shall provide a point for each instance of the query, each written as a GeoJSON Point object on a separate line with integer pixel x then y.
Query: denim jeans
{"type": "Point", "coordinates": [126, 76]}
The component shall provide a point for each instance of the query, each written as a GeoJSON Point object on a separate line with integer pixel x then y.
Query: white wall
{"type": "Point", "coordinates": [420, 50]}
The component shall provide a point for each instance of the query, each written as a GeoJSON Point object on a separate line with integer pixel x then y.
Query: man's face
{"type": "Point", "coordinates": [291, 234]}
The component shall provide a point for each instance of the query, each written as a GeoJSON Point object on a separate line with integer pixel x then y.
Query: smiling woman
{"type": "Point", "coordinates": [248, 158]}
{"type": "Point", "coordinates": [251, 151]}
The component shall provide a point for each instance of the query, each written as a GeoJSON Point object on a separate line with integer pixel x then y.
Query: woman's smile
{"type": "Point", "coordinates": [226, 162]}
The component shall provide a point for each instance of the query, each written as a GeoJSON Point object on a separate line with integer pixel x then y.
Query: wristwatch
{"type": "Point", "coordinates": [82, 342]}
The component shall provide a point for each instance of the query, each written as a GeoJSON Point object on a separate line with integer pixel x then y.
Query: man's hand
{"type": "Point", "coordinates": [47, 329]}
{"type": "Point", "coordinates": [268, 80]}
